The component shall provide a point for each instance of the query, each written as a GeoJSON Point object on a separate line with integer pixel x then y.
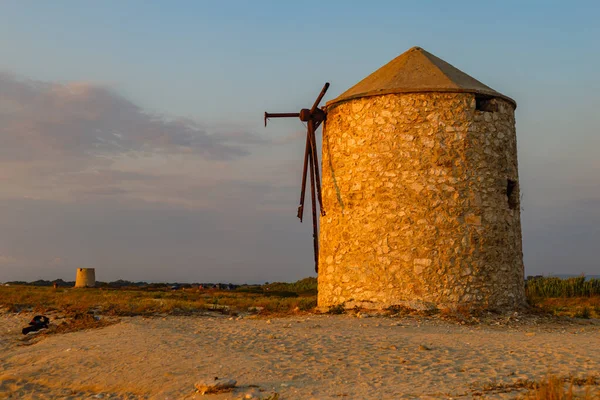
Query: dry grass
{"type": "Point", "coordinates": [578, 307]}
{"type": "Point", "coordinates": [79, 309]}
{"type": "Point", "coordinates": [79, 322]}
{"type": "Point", "coordinates": [551, 388]}
{"type": "Point", "coordinates": [274, 298]}
{"type": "Point", "coordinates": [123, 302]}
{"type": "Point", "coordinates": [572, 297]}
{"type": "Point", "coordinates": [72, 323]}
{"type": "Point", "coordinates": [555, 388]}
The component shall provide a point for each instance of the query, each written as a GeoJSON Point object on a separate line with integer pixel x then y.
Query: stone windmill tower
{"type": "Point", "coordinates": [86, 277]}
{"type": "Point", "coordinates": [420, 184]}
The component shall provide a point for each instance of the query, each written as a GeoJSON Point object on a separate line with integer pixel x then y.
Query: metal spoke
{"type": "Point", "coordinates": [303, 187]}
{"type": "Point", "coordinates": [314, 214]}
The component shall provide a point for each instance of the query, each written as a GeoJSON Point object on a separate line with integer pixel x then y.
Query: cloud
{"type": "Point", "coordinates": [78, 141]}
{"type": "Point", "coordinates": [42, 120]}
{"type": "Point", "coordinates": [6, 260]}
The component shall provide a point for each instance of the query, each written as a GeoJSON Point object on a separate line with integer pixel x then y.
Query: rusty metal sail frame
{"type": "Point", "coordinates": [313, 118]}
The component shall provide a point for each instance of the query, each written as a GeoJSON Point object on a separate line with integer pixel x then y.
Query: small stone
{"type": "Point", "coordinates": [473, 220]}
{"type": "Point", "coordinates": [426, 262]}
{"type": "Point", "coordinates": [215, 385]}
{"type": "Point", "coordinates": [252, 395]}
{"type": "Point", "coordinates": [357, 107]}
{"type": "Point", "coordinates": [423, 347]}
{"type": "Point", "coordinates": [417, 187]}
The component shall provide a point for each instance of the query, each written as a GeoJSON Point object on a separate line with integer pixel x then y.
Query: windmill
{"type": "Point", "coordinates": [313, 117]}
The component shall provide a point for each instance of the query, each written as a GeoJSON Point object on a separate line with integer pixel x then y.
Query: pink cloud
{"type": "Point", "coordinates": [40, 119]}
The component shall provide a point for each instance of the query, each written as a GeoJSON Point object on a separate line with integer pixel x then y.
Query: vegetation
{"type": "Point", "coordinates": [550, 388]}
{"type": "Point", "coordinates": [306, 286]}
{"type": "Point", "coordinates": [555, 388]}
{"type": "Point", "coordinates": [545, 287]}
{"type": "Point", "coordinates": [284, 298]}
{"type": "Point", "coordinates": [573, 297]}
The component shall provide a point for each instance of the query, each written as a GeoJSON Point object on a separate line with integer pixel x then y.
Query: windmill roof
{"type": "Point", "coordinates": [417, 70]}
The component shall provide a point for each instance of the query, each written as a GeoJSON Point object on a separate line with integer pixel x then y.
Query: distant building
{"type": "Point", "coordinates": [86, 277]}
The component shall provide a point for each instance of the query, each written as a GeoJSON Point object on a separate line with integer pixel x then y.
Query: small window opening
{"type": "Point", "coordinates": [485, 103]}
{"type": "Point", "coordinates": [512, 194]}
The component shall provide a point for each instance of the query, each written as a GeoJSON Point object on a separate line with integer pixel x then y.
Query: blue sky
{"type": "Point", "coordinates": [201, 190]}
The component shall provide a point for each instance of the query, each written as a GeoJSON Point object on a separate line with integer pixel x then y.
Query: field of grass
{"type": "Point", "coordinates": [572, 297]}
{"type": "Point", "coordinates": [557, 287]}
{"type": "Point", "coordinates": [266, 299]}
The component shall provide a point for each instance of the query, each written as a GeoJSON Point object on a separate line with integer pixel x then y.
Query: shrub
{"type": "Point", "coordinates": [584, 313]}
{"type": "Point", "coordinates": [307, 304]}
{"type": "Point", "coordinates": [337, 309]}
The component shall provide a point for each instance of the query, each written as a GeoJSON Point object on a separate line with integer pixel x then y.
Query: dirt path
{"type": "Point", "coordinates": [307, 357]}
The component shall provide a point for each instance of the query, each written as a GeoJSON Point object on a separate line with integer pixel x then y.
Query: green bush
{"type": "Point", "coordinates": [307, 304]}
{"type": "Point", "coordinates": [306, 286]}
{"type": "Point", "coordinates": [280, 293]}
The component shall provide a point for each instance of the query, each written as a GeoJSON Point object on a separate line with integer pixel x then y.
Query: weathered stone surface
{"type": "Point", "coordinates": [415, 190]}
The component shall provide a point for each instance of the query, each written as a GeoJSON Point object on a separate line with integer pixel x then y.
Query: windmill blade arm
{"type": "Point", "coordinates": [304, 172]}
{"type": "Point", "coordinates": [314, 213]}
{"type": "Point", "coordinates": [315, 161]}
{"type": "Point", "coordinates": [321, 95]}
{"type": "Point", "coordinates": [280, 115]}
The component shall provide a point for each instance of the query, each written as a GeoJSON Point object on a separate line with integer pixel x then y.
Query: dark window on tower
{"type": "Point", "coordinates": [512, 194]}
{"type": "Point", "coordinates": [485, 103]}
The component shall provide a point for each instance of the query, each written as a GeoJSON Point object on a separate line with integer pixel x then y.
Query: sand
{"type": "Point", "coordinates": [301, 357]}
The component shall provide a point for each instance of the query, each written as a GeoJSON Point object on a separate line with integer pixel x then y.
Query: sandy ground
{"type": "Point", "coordinates": [303, 357]}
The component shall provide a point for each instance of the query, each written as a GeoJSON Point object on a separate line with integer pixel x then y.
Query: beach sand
{"type": "Point", "coordinates": [299, 357]}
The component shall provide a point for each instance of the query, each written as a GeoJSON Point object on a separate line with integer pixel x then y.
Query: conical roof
{"type": "Point", "coordinates": [417, 70]}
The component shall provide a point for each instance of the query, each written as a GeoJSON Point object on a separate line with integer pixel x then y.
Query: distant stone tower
{"type": "Point", "coordinates": [86, 277]}
{"type": "Point", "coordinates": [421, 189]}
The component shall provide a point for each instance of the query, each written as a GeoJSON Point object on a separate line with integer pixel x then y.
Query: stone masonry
{"type": "Point", "coordinates": [422, 199]}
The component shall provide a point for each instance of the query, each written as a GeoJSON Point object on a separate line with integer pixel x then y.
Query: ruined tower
{"type": "Point", "coordinates": [421, 189]}
{"type": "Point", "coordinates": [86, 277]}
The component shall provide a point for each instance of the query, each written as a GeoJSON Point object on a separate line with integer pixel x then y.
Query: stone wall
{"type": "Point", "coordinates": [418, 214]}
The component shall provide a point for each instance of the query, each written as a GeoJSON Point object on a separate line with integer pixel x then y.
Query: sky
{"type": "Point", "coordinates": [132, 139]}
